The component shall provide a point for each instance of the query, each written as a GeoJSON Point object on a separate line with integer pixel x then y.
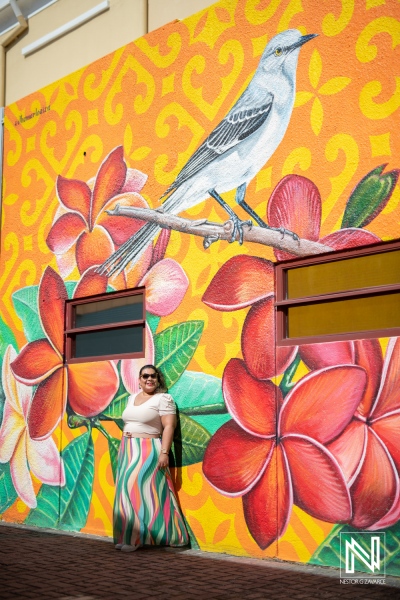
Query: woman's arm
{"type": "Point", "coordinates": [169, 424]}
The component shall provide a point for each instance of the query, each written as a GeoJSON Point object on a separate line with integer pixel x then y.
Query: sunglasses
{"type": "Point", "coordinates": [151, 375]}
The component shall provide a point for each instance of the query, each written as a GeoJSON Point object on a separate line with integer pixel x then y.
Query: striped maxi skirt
{"type": "Point", "coordinates": [146, 511]}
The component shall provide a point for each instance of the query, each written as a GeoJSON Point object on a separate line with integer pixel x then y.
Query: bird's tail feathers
{"type": "Point", "coordinates": [129, 251]}
{"type": "Point", "coordinates": [135, 246]}
{"type": "Point", "coordinates": [168, 191]}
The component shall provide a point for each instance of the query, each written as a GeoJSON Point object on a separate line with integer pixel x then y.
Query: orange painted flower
{"type": "Point", "coordinates": [273, 452]}
{"type": "Point", "coordinates": [89, 387]}
{"type": "Point", "coordinates": [84, 234]}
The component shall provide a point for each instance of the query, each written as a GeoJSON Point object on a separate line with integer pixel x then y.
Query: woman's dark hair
{"type": "Point", "coordinates": [160, 377]}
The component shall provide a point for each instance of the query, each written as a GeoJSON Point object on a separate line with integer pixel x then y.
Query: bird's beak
{"type": "Point", "coordinates": [306, 38]}
{"type": "Point", "coordinates": [303, 40]}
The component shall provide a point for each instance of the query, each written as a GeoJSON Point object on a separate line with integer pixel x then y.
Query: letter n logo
{"type": "Point", "coordinates": [362, 551]}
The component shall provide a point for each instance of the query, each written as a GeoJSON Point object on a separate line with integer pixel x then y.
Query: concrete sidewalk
{"type": "Point", "coordinates": [36, 564]}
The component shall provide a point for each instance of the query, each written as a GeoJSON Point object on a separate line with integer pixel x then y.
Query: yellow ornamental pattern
{"type": "Point", "coordinates": [333, 86]}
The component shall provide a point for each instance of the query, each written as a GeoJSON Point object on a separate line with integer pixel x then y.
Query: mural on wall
{"type": "Point", "coordinates": [237, 148]}
{"type": "Point", "coordinates": [277, 449]}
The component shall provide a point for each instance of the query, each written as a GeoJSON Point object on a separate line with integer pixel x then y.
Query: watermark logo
{"type": "Point", "coordinates": [362, 551]}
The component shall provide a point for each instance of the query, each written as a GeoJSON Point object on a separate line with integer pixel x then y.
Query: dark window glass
{"type": "Point", "coordinates": [113, 310]}
{"type": "Point", "coordinates": [121, 340]}
{"type": "Point", "coordinates": [105, 327]}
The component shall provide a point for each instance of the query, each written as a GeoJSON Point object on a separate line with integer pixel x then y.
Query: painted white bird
{"type": "Point", "coordinates": [236, 149]}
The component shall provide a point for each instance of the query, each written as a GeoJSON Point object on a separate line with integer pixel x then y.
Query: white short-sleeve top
{"type": "Point", "coordinates": [146, 418]}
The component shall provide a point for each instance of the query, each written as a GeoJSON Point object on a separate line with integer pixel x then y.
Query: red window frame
{"type": "Point", "coordinates": [282, 303]}
{"type": "Point", "coordinates": [70, 330]}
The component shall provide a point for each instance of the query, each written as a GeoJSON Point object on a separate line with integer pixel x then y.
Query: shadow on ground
{"type": "Point", "coordinates": [41, 565]}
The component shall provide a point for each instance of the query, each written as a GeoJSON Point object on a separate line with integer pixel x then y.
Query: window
{"type": "Point", "coordinates": [110, 326]}
{"type": "Point", "coordinates": [348, 294]}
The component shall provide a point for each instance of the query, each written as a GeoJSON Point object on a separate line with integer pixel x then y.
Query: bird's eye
{"type": "Point", "coordinates": [278, 51]}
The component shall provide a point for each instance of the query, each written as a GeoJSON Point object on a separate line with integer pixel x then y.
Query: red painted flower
{"type": "Point", "coordinates": [90, 387]}
{"type": "Point", "coordinates": [296, 205]}
{"type": "Point", "coordinates": [273, 451]}
{"type": "Point", "coordinates": [249, 281]}
{"type": "Point", "coordinates": [368, 449]}
{"type": "Point", "coordinates": [84, 234]}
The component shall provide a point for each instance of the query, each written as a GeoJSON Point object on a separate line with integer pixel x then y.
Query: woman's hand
{"type": "Point", "coordinates": [163, 461]}
{"type": "Point", "coordinates": [168, 423]}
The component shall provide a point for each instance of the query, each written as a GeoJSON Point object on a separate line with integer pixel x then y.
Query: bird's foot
{"type": "Point", "coordinates": [283, 231]}
{"type": "Point", "coordinates": [236, 226]}
{"type": "Point", "coordinates": [210, 239]}
{"type": "Point", "coordinates": [241, 201]}
{"type": "Point", "coordinates": [235, 223]}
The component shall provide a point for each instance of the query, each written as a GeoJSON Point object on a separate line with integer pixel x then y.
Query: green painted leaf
{"type": "Point", "coordinates": [8, 495]}
{"type": "Point", "coordinates": [198, 394]}
{"type": "Point", "coordinates": [174, 348]}
{"type": "Point", "coordinates": [6, 338]}
{"type": "Point", "coordinates": [25, 303]}
{"type": "Point", "coordinates": [369, 197]}
{"type": "Point", "coordinates": [115, 409]}
{"type": "Point", "coordinates": [152, 321]}
{"type": "Point", "coordinates": [286, 383]}
{"type": "Point", "coordinates": [68, 507]}
{"type": "Point", "coordinates": [212, 422]}
{"type": "Point", "coordinates": [113, 447]}
{"type": "Point", "coordinates": [71, 285]}
{"type": "Point", "coordinates": [328, 553]}
{"type": "Point", "coordinates": [392, 549]}
{"type": "Point", "coordinates": [190, 442]}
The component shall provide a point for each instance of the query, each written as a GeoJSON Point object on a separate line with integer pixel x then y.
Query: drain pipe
{"type": "Point", "coordinates": [13, 34]}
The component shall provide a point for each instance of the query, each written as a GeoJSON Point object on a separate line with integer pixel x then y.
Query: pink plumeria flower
{"type": "Point", "coordinates": [166, 284]}
{"type": "Point", "coordinates": [25, 455]}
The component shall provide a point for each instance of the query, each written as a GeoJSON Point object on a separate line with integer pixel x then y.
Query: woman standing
{"type": "Point", "coordinates": [145, 507]}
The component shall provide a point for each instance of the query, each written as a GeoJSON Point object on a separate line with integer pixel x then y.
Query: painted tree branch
{"type": "Point", "coordinates": [212, 232]}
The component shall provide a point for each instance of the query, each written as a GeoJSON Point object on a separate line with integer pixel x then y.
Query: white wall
{"type": "Point", "coordinates": [123, 22]}
{"type": "Point", "coordinates": [164, 11]}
